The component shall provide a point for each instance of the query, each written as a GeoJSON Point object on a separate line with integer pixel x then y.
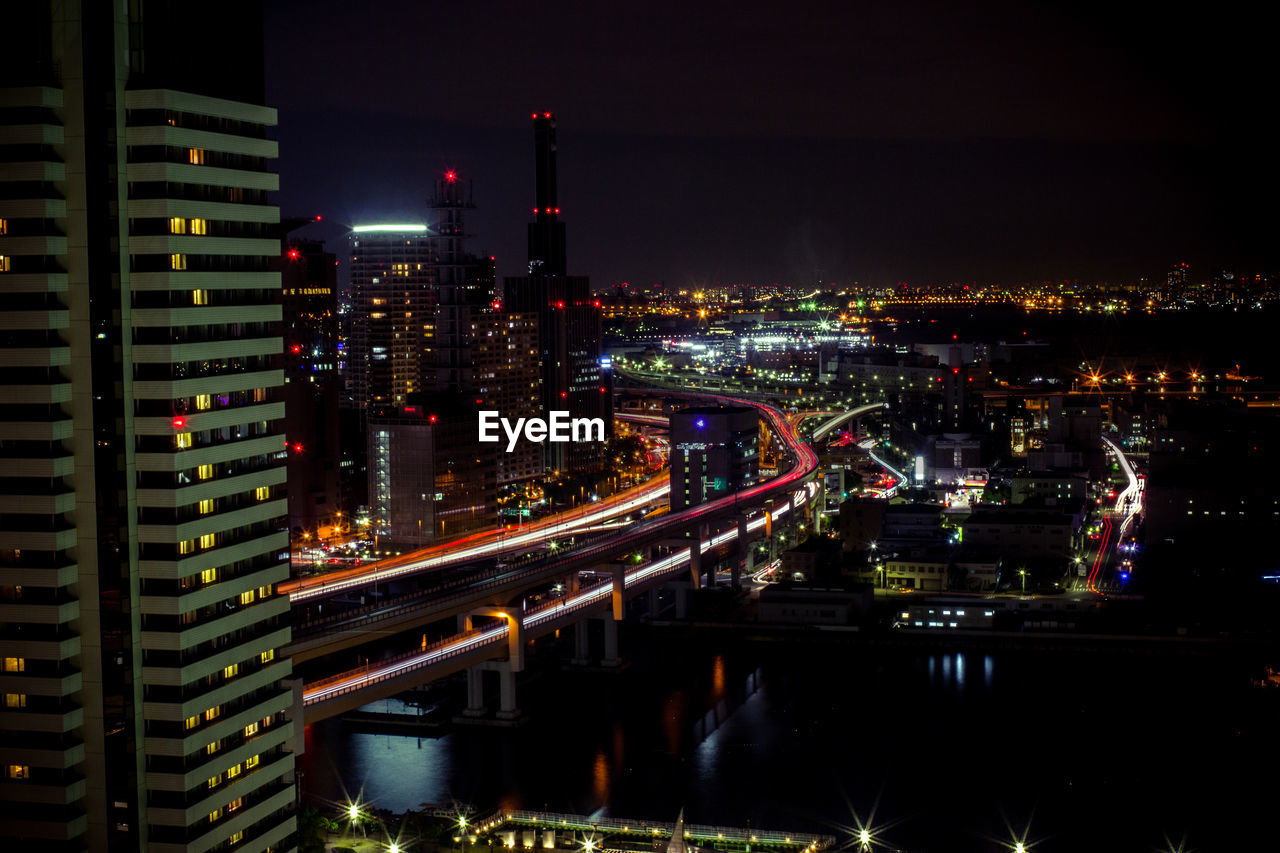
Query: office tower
{"type": "Point", "coordinates": [568, 317]}
{"type": "Point", "coordinates": [714, 452]}
{"type": "Point", "coordinates": [506, 381]}
{"type": "Point", "coordinates": [142, 522]}
{"type": "Point", "coordinates": [309, 290]}
{"type": "Point", "coordinates": [454, 305]}
{"type": "Point", "coordinates": [393, 310]}
{"type": "Point", "coordinates": [430, 479]}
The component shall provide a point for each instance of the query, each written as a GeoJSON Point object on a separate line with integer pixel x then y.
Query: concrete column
{"type": "Point", "coordinates": [475, 693]}
{"type": "Point", "coordinates": [695, 563]}
{"type": "Point", "coordinates": [571, 584]}
{"type": "Point", "coordinates": [682, 601]}
{"type": "Point", "coordinates": [507, 709]}
{"type": "Point", "coordinates": [464, 622]}
{"type": "Point", "coordinates": [619, 590]}
{"type": "Point", "coordinates": [581, 643]}
{"type": "Point", "coordinates": [610, 641]}
{"type": "Point", "coordinates": [515, 638]}
{"type": "Point", "coordinates": [654, 604]}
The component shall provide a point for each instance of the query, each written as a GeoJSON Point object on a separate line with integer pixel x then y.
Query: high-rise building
{"type": "Point", "coordinates": [142, 513]}
{"type": "Point", "coordinates": [309, 290]}
{"type": "Point", "coordinates": [568, 316]}
{"type": "Point", "coordinates": [506, 380]}
{"type": "Point", "coordinates": [430, 479]}
{"type": "Point", "coordinates": [714, 452]}
{"type": "Point", "coordinates": [389, 351]}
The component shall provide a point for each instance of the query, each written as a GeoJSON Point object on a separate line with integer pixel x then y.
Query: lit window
{"type": "Point", "coordinates": [237, 838]}
{"type": "Point", "coordinates": [4, 263]}
{"type": "Point", "coordinates": [233, 772]}
{"type": "Point", "coordinates": [215, 781]}
{"type": "Point", "coordinates": [264, 591]}
{"type": "Point", "coordinates": [18, 771]}
{"type": "Point", "coordinates": [246, 597]}
{"type": "Point", "coordinates": [214, 815]}
{"type": "Point", "coordinates": [199, 226]}
{"type": "Point", "coordinates": [4, 226]}
{"type": "Point", "coordinates": [251, 762]}
{"type": "Point", "coordinates": [206, 506]}
{"type": "Point", "coordinates": [15, 700]}
{"type": "Point", "coordinates": [183, 439]}
{"type": "Point", "coordinates": [177, 225]}
{"type": "Point", "coordinates": [15, 664]}
{"type": "Point", "coordinates": [231, 671]}
{"type": "Point", "coordinates": [235, 804]}
{"type": "Point", "coordinates": [259, 395]}
{"type": "Point", "coordinates": [208, 540]}
{"type": "Point", "coordinates": [204, 402]}
{"type": "Point", "coordinates": [267, 656]}
{"type": "Point", "coordinates": [177, 262]}
{"type": "Point", "coordinates": [251, 730]}
{"type": "Point", "coordinates": [186, 546]}
{"type": "Point", "coordinates": [210, 749]}
{"type": "Point", "coordinates": [199, 297]}
{"type": "Point", "coordinates": [209, 575]}
{"type": "Point", "coordinates": [262, 492]}
{"type": "Point", "coordinates": [195, 156]}
{"type": "Point", "coordinates": [204, 472]}
{"type": "Point", "coordinates": [191, 722]}
{"type": "Point", "coordinates": [213, 713]}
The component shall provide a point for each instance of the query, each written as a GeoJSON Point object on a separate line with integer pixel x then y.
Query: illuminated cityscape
{"type": "Point", "coordinates": [759, 430]}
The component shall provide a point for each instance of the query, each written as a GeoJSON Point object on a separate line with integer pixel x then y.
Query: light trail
{"type": "Point", "coordinates": [805, 463]}
{"type": "Point", "coordinates": [564, 606]}
{"type": "Point", "coordinates": [1128, 503]}
{"type": "Point", "coordinates": [448, 554]}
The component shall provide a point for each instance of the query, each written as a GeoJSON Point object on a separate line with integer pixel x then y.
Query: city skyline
{"type": "Point", "coordinates": [922, 145]}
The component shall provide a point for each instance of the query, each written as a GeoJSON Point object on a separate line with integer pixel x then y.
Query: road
{"type": "Point", "coordinates": [1116, 521]}
{"type": "Point", "coordinates": [564, 608]}
{"type": "Point", "coordinates": [488, 543]}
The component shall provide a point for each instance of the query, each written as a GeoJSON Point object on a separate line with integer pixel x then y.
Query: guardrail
{"type": "Point", "coordinates": [696, 831]}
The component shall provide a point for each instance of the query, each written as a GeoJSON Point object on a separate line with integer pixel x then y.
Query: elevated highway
{"type": "Point", "coordinates": [750, 510]}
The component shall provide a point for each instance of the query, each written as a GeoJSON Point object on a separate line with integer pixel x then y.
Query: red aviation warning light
{"type": "Point", "coordinates": [451, 176]}
{"type": "Point", "coordinates": [179, 422]}
{"type": "Point", "coordinates": [294, 254]}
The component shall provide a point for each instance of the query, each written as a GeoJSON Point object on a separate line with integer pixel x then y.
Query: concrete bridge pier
{"type": "Point", "coordinates": [507, 709]}
{"type": "Point", "coordinates": [476, 711]}
{"type": "Point", "coordinates": [475, 692]}
{"type": "Point", "coordinates": [611, 658]}
{"type": "Point", "coordinates": [581, 643]}
{"type": "Point", "coordinates": [654, 604]}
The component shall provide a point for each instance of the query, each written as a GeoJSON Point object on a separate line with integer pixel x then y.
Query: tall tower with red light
{"type": "Point", "coordinates": [568, 315]}
{"type": "Point", "coordinates": [546, 232]}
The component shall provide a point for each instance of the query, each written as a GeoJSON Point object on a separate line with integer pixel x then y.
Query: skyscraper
{"type": "Point", "coordinates": [309, 288]}
{"type": "Point", "coordinates": [393, 312]}
{"type": "Point", "coordinates": [568, 316]}
{"type": "Point", "coordinates": [141, 507]}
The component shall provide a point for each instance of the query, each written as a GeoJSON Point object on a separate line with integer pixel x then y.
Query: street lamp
{"type": "Point", "coordinates": [1023, 572]}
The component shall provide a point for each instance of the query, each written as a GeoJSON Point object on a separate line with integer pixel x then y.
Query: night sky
{"type": "Point", "coordinates": [710, 143]}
